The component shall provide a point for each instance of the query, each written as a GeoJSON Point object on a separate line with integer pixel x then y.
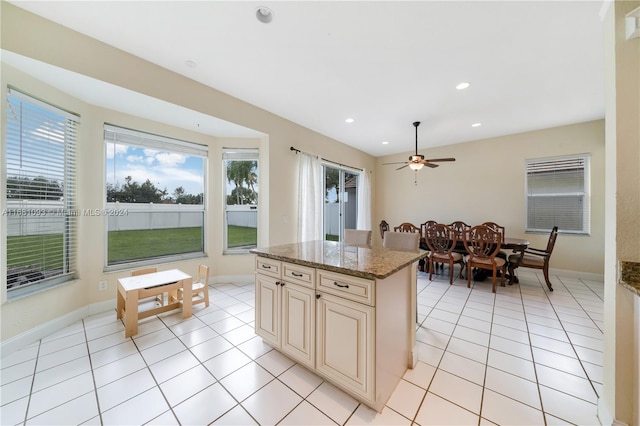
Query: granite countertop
{"type": "Point", "coordinates": [365, 262]}
{"type": "Point", "coordinates": [630, 276]}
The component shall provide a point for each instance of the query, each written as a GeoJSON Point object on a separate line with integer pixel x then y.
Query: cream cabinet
{"type": "Point", "coordinates": [285, 308]}
{"type": "Point", "coordinates": [345, 343]}
{"type": "Point", "coordinates": [355, 332]}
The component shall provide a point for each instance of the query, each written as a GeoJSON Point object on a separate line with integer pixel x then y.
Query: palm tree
{"type": "Point", "coordinates": [240, 172]}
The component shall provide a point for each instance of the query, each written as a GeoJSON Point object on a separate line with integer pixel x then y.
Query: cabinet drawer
{"type": "Point", "coordinates": [299, 274]}
{"type": "Point", "coordinates": [267, 266]}
{"type": "Point", "coordinates": [352, 288]}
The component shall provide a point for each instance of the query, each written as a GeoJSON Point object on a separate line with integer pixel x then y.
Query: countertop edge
{"type": "Point", "coordinates": [346, 271]}
{"type": "Point", "coordinates": [630, 276]}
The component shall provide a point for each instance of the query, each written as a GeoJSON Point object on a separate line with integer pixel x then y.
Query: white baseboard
{"type": "Point", "coordinates": [605, 417]}
{"type": "Point", "coordinates": [591, 276]}
{"type": "Point", "coordinates": [240, 279]}
{"type": "Point", "coordinates": [50, 327]}
{"type": "Point", "coordinates": [38, 332]}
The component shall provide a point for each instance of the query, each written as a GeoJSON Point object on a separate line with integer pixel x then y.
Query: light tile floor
{"type": "Point", "coordinates": [521, 356]}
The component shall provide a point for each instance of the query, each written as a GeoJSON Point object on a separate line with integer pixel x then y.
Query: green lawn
{"type": "Point", "coordinates": [240, 236]}
{"type": "Point", "coordinates": [46, 250]}
{"type": "Point", "coordinates": [330, 237]}
{"type": "Point", "coordinates": [148, 243]}
{"type": "Point", "coordinates": [43, 250]}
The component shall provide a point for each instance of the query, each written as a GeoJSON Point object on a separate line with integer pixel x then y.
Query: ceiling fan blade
{"type": "Point", "coordinates": [435, 160]}
{"type": "Point", "coordinates": [433, 166]}
{"type": "Point", "coordinates": [406, 165]}
{"type": "Point", "coordinates": [399, 162]}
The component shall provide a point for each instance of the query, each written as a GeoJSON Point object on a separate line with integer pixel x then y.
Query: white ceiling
{"type": "Point", "coordinates": [386, 64]}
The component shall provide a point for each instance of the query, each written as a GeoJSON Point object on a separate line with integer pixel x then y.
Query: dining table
{"type": "Point", "coordinates": [132, 289]}
{"type": "Point", "coordinates": [517, 245]}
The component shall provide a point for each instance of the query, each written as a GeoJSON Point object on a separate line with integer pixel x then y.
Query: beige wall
{"type": "Point", "coordinates": [621, 379]}
{"type": "Point", "coordinates": [486, 183]}
{"type": "Point", "coordinates": [36, 38]}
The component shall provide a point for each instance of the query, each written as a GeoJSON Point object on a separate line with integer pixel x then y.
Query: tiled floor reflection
{"type": "Point", "coordinates": [521, 356]}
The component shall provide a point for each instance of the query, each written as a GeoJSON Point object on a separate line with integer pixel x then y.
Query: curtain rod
{"type": "Point", "coordinates": [328, 161]}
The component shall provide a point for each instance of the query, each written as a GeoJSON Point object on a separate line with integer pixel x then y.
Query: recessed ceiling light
{"type": "Point", "coordinates": [349, 120]}
{"type": "Point", "coordinates": [476, 125]}
{"type": "Point", "coordinates": [462, 86]}
{"type": "Point", "coordinates": [385, 143]}
{"type": "Point", "coordinates": [264, 14]}
{"type": "Point", "coordinates": [190, 64]}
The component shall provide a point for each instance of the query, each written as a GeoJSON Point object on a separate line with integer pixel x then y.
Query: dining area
{"type": "Point", "coordinates": [481, 251]}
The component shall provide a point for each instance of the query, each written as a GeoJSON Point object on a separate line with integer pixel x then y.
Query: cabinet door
{"type": "Point", "coordinates": [267, 322]}
{"type": "Point", "coordinates": [345, 343]}
{"type": "Point", "coordinates": [298, 322]}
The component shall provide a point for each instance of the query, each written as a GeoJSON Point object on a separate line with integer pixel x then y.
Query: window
{"type": "Point", "coordinates": [241, 199]}
{"type": "Point", "coordinates": [40, 201]}
{"type": "Point", "coordinates": [558, 194]}
{"type": "Point", "coordinates": [155, 200]}
{"type": "Point", "coordinates": [340, 202]}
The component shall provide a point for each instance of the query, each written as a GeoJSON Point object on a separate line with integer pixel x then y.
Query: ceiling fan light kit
{"type": "Point", "coordinates": [417, 161]}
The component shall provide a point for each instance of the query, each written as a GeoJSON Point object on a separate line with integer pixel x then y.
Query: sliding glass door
{"type": "Point", "coordinates": [340, 201]}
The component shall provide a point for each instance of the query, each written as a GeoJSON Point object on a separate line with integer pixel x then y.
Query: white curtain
{"type": "Point", "coordinates": [364, 201]}
{"type": "Point", "coordinates": [309, 198]}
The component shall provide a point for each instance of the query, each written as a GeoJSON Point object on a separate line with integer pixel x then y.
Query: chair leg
{"type": "Point", "coordinates": [468, 275]}
{"type": "Point", "coordinates": [206, 295]}
{"type": "Point", "coordinates": [430, 268]}
{"type": "Point", "coordinates": [494, 279]}
{"type": "Point", "coordinates": [451, 273]}
{"type": "Point", "coordinates": [545, 271]}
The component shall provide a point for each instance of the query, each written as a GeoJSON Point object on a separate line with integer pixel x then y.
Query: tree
{"type": "Point", "coordinates": [133, 192]}
{"type": "Point", "coordinates": [38, 188]}
{"type": "Point", "coordinates": [332, 180]}
{"type": "Point", "coordinates": [242, 172]}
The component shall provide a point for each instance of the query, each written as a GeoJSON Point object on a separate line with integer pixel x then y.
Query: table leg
{"type": "Point", "coordinates": [120, 302]}
{"type": "Point", "coordinates": [131, 313]}
{"type": "Point", "coordinates": [187, 297]}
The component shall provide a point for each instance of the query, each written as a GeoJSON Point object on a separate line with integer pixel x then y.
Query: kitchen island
{"type": "Point", "coordinates": [347, 313]}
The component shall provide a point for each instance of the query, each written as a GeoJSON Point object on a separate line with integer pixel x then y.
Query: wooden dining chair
{"type": "Point", "coordinates": [357, 237]}
{"type": "Point", "coordinates": [500, 229]}
{"type": "Point", "coordinates": [535, 259]}
{"type": "Point", "coordinates": [482, 245]}
{"type": "Point", "coordinates": [459, 227]}
{"type": "Point", "coordinates": [406, 227]}
{"type": "Point", "coordinates": [441, 240]}
{"type": "Point", "coordinates": [159, 298]}
{"type": "Point", "coordinates": [199, 287]}
{"type": "Point", "coordinates": [384, 227]}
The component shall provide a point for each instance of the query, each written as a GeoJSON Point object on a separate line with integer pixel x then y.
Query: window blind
{"type": "Point", "coordinates": [558, 194]}
{"type": "Point", "coordinates": [41, 194]}
{"type": "Point", "coordinates": [147, 140]}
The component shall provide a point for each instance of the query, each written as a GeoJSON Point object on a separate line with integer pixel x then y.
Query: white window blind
{"type": "Point", "coordinates": [41, 197]}
{"type": "Point", "coordinates": [558, 194]}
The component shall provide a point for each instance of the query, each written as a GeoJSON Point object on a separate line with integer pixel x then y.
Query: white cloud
{"type": "Point", "coordinates": [134, 159]}
{"type": "Point", "coordinates": [115, 149]}
{"type": "Point", "coordinates": [169, 159]}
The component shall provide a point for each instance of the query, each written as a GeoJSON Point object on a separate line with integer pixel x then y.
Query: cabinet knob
{"type": "Point", "coordinates": [317, 296]}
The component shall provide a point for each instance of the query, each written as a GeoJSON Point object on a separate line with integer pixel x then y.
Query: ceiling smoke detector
{"type": "Point", "coordinates": [264, 14]}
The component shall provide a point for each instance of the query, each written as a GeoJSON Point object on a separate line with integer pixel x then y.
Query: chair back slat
{"type": "Point", "coordinates": [459, 228]}
{"type": "Point", "coordinates": [441, 238]}
{"type": "Point", "coordinates": [406, 227]}
{"type": "Point", "coordinates": [552, 240]}
{"type": "Point", "coordinates": [482, 242]}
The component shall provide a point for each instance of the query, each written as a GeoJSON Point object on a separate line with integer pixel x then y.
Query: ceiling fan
{"type": "Point", "coordinates": [417, 161]}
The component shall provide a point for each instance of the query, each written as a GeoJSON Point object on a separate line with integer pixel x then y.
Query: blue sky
{"type": "Point", "coordinates": [166, 170]}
